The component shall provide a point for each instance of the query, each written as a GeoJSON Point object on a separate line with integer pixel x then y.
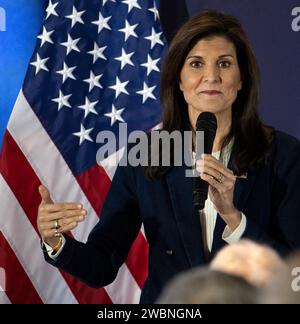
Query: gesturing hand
{"type": "Point", "coordinates": [54, 218]}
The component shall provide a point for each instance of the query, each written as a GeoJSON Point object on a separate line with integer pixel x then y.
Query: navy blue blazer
{"type": "Point", "coordinates": [269, 197]}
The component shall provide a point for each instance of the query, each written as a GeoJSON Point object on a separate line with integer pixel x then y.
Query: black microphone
{"type": "Point", "coordinates": [207, 123]}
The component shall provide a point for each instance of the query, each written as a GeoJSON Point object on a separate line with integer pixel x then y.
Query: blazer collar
{"type": "Point", "coordinates": [187, 217]}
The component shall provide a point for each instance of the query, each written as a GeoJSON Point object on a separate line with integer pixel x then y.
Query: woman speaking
{"type": "Point", "coordinates": [253, 172]}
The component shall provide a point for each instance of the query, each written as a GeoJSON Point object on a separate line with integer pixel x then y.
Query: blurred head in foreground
{"type": "Point", "coordinates": [205, 286]}
{"type": "Point", "coordinates": [254, 262]}
{"type": "Point", "coordinates": [285, 286]}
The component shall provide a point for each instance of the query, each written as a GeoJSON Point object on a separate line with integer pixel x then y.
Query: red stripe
{"type": "Point", "coordinates": [137, 259]}
{"type": "Point", "coordinates": [23, 181]}
{"type": "Point", "coordinates": [17, 283]}
{"type": "Point", "coordinates": [86, 294]}
{"type": "Point", "coordinates": [95, 184]}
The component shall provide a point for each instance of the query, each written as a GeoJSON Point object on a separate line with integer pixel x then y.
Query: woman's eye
{"type": "Point", "coordinates": [196, 64]}
{"type": "Point", "coordinates": [224, 64]}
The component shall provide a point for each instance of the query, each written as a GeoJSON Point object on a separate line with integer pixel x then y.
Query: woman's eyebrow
{"type": "Point", "coordinates": [225, 55]}
{"type": "Point", "coordinates": [201, 57]}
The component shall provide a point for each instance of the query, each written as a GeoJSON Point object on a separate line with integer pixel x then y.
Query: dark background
{"type": "Point", "coordinates": [268, 24]}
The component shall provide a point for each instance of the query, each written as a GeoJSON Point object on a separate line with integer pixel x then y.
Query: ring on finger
{"type": "Point", "coordinates": [221, 178]}
{"type": "Point", "coordinates": [56, 225]}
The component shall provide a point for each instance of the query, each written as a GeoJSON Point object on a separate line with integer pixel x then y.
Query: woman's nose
{"type": "Point", "coordinates": [211, 74]}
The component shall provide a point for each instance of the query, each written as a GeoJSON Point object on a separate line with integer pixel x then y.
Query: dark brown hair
{"type": "Point", "coordinates": [251, 138]}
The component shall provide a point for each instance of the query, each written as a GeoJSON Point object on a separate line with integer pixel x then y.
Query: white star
{"type": "Point", "coordinates": [151, 65]}
{"type": "Point", "coordinates": [62, 100]}
{"type": "Point", "coordinates": [76, 16]}
{"type": "Point", "coordinates": [71, 44]}
{"type": "Point", "coordinates": [125, 59]}
{"type": "Point", "coordinates": [93, 81]}
{"type": "Point", "coordinates": [51, 9]}
{"type": "Point", "coordinates": [131, 4]}
{"type": "Point", "coordinates": [97, 52]}
{"type": "Point", "coordinates": [115, 115]}
{"type": "Point", "coordinates": [84, 134]}
{"type": "Point", "coordinates": [119, 87]}
{"type": "Point", "coordinates": [104, 1]}
{"type": "Point", "coordinates": [89, 107]}
{"type": "Point", "coordinates": [40, 64]}
{"type": "Point", "coordinates": [155, 11]}
{"type": "Point", "coordinates": [67, 72]}
{"type": "Point", "coordinates": [102, 23]}
{"type": "Point", "coordinates": [147, 92]}
{"type": "Point", "coordinates": [154, 38]}
{"type": "Point", "coordinates": [45, 36]}
{"type": "Point", "coordinates": [128, 30]}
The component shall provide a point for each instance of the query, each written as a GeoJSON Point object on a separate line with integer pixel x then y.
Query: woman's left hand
{"type": "Point", "coordinates": [221, 182]}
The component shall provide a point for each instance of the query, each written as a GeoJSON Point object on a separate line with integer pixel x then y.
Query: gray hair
{"type": "Point", "coordinates": [205, 286]}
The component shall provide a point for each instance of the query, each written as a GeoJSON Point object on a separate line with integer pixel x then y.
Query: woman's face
{"type": "Point", "coordinates": [210, 77]}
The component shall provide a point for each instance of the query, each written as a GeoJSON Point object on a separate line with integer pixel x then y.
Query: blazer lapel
{"type": "Point", "coordinates": [187, 217]}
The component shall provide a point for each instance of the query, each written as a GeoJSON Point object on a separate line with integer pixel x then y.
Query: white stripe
{"type": "Point", "coordinates": [4, 298]}
{"type": "Point", "coordinates": [2, 279]}
{"type": "Point", "coordinates": [54, 173]}
{"type": "Point", "coordinates": [124, 281]}
{"type": "Point", "coordinates": [110, 163]}
{"type": "Point", "coordinates": [25, 243]}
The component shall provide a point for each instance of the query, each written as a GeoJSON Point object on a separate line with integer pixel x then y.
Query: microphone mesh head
{"type": "Point", "coordinates": [205, 121]}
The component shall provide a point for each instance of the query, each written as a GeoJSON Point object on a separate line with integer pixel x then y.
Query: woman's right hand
{"type": "Point", "coordinates": [65, 215]}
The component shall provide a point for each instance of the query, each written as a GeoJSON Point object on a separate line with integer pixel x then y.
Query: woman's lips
{"type": "Point", "coordinates": [211, 92]}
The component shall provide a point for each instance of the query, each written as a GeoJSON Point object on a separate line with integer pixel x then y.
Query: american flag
{"type": "Point", "coordinates": [96, 65]}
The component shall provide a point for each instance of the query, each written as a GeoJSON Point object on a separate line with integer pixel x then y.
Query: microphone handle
{"type": "Point", "coordinates": [200, 191]}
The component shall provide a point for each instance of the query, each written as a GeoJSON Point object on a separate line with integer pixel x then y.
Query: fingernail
{"type": "Point", "coordinates": [83, 212]}
{"type": "Point", "coordinates": [79, 206]}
